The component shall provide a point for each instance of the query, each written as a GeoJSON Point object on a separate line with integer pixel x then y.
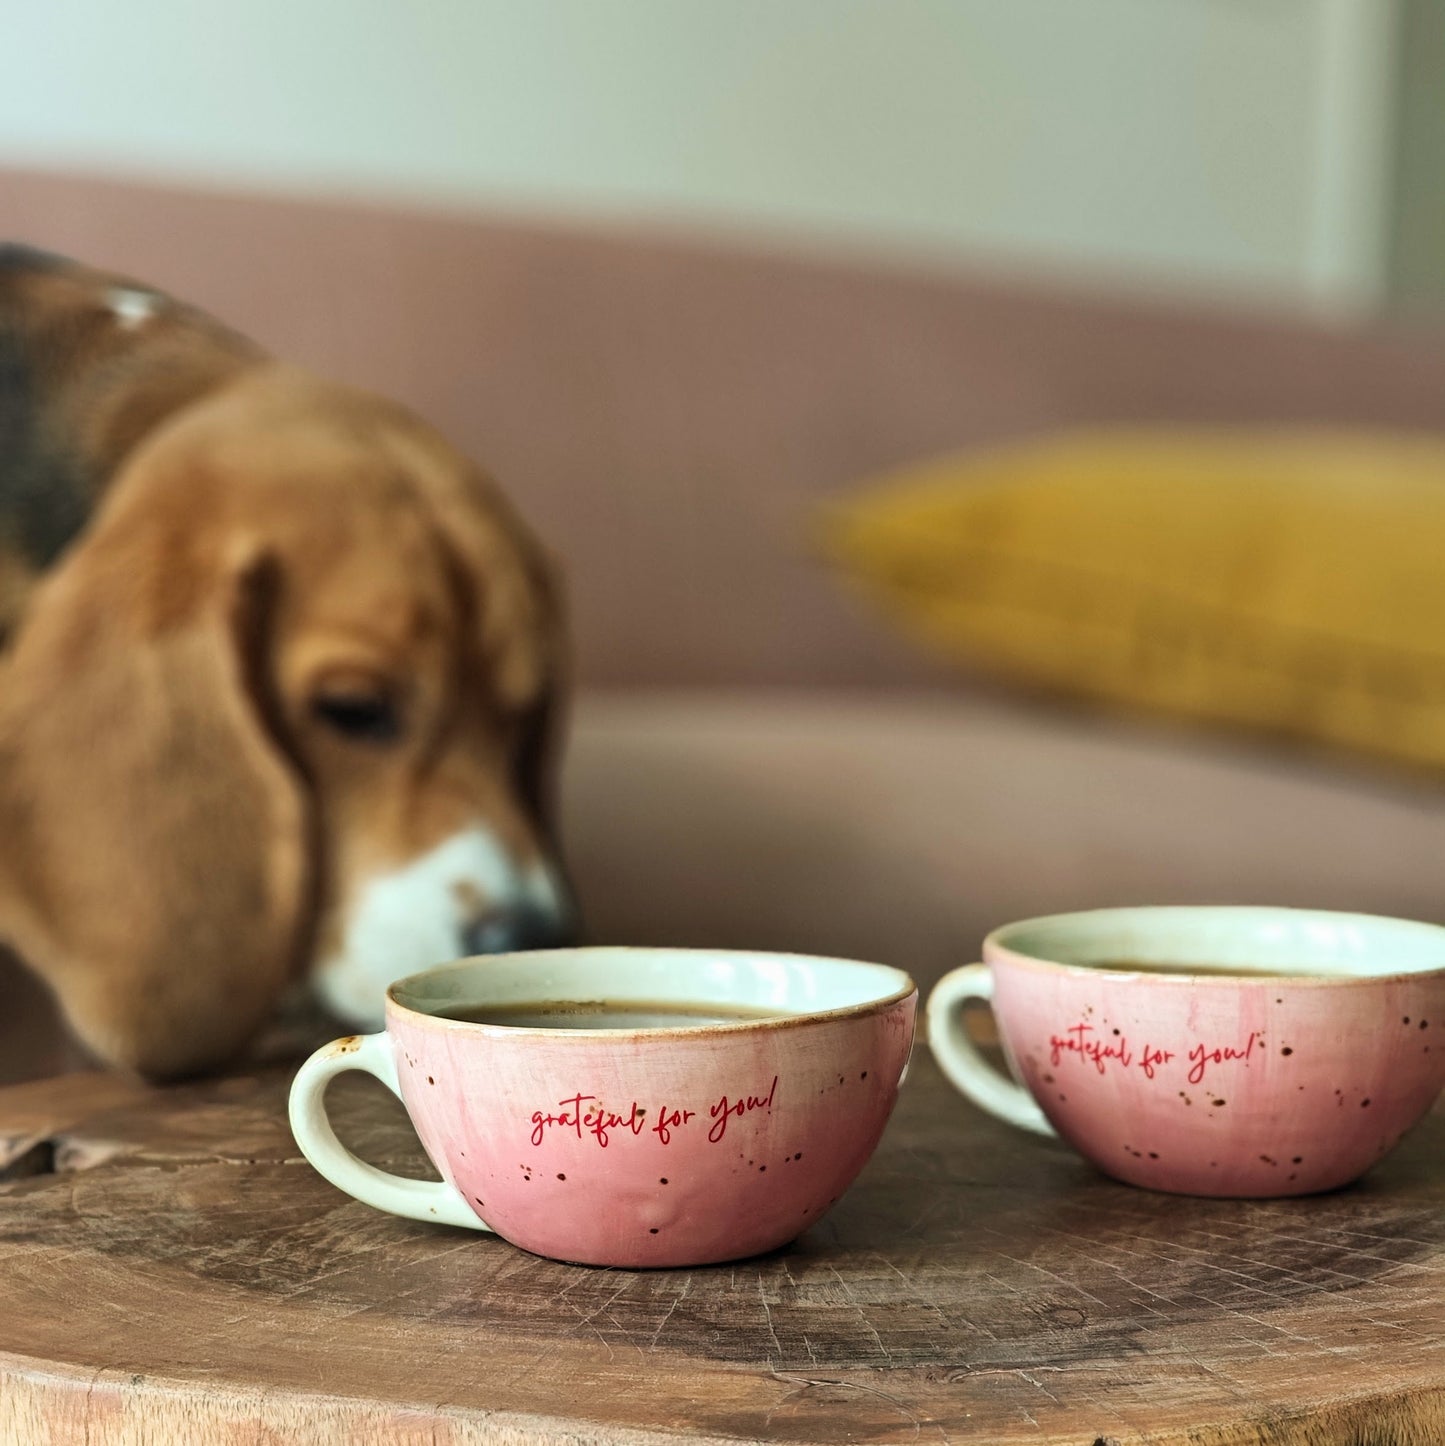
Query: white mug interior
{"type": "Point", "coordinates": [1306, 943]}
{"type": "Point", "coordinates": [785, 985]}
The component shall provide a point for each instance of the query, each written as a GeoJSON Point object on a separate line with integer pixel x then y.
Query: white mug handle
{"type": "Point", "coordinates": [959, 1057]}
{"type": "Point", "coordinates": [436, 1200]}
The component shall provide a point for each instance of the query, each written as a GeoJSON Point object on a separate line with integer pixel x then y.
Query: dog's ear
{"type": "Point", "coordinates": [514, 591]}
{"type": "Point", "coordinates": [509, 585]}
{"type": "Point", "coordinates": [156, 860]}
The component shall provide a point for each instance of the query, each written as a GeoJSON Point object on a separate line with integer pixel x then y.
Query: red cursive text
{"type": "Point", "coordinates": [726, 1108]}
{"type": "Point", "coordinates": [597, 1121]}
{"type": "Point", "coordinates": [1202, 1056]}
{"type": "Point", "coordinates": [582, 1115]}
{"type": "Point", "coordinates": [1076, 1040]}
{"type": "Point", "coordinates": [1152, 1058]}
{"type": "Point", "coordinates": [668, 1120]}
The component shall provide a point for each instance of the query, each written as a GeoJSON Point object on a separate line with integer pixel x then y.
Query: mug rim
{"type": "Point", "coordinates": [905, 990]}
{"type": "Point", "coordinates": [996, 946]}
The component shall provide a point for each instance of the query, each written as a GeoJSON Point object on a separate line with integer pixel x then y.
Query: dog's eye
{"type": "Point", "coordinates": [365, 717]}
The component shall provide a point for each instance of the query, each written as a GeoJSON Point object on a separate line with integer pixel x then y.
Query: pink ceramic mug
{"type": "Point", "coordinates": [1267, 1052]}
{"type": "Point", "coordinates": [720, 1133]}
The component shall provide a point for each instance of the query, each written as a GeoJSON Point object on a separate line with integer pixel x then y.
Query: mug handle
{"type": "Point", "coordinates": [959, 1057]}
{"type": "Point", "coordinates": [436, 1200]}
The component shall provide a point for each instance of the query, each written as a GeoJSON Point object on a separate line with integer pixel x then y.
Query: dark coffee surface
{"type": "Point", "coordinates": [611, 1014]}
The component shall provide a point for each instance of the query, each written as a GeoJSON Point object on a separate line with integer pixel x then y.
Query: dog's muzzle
{"type": "Point", "coordinates": [467, 896]}
{"type": "Point", "coordinates": [525, 926]}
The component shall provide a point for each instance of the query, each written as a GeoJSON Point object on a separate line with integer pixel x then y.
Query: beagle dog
{"type": "Point", "coordinates": [280, 681]}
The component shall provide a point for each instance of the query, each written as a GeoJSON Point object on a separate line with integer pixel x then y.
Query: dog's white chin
{"type": "Point", "coordinates": [412, 918]}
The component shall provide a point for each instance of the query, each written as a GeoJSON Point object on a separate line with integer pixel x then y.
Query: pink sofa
{"type": "Point", "coordinates": [755, 761]}
{"type": "Point", "coordinates": [902, 827]}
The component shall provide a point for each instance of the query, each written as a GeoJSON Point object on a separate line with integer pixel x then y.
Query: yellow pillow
{"type": "Point", "coordinates": [1287, 581]}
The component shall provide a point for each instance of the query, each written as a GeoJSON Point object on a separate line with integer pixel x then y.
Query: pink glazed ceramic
{"type": "Point", "coordinates": [1293, 1073]}
{"type": "Point", "coordinates": [629, 1146]}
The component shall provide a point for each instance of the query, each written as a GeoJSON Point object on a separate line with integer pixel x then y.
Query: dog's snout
{"type": "Point", "coordinates": [520, 927]}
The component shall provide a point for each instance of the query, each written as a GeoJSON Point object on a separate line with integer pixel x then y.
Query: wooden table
{"type": "Point", "coordinates": [174, 1272]}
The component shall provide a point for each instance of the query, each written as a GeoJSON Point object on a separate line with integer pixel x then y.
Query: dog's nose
{"type": "Point", "coordinates": [511, 930]}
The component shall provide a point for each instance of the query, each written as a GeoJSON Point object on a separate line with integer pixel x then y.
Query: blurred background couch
{"type": "Point", "coordinates": [680, 274]}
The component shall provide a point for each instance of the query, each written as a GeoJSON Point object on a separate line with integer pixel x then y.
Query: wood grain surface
{"type": "Point", "coordinates": [172, 1271]}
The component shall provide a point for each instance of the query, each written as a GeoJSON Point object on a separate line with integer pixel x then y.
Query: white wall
{"type": "Point", "coordinates": [1184, 142]}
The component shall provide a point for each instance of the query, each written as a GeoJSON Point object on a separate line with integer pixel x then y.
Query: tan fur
{"type": "Point", "coordinates": [177, 831]}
